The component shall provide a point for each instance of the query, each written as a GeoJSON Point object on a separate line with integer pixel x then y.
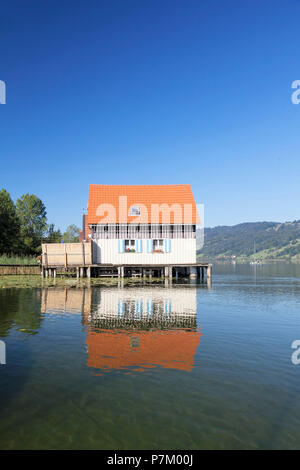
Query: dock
{"type": "Point", "coordinates": [202, 271]}
{"type": "Point", "coordinates": [76, 258]}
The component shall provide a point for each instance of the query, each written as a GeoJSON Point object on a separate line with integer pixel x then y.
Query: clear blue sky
{"type": "Point", "coordinates": [152, 92]}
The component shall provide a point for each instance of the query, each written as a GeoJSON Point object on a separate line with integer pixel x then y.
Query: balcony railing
{"type": "Point", "coordinates": [131, 231]}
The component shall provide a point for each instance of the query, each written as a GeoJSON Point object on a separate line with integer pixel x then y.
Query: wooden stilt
{"type": "Point", "coordinates": [209, 271]}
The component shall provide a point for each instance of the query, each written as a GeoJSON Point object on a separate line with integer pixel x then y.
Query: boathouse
{"type": "Point", "coordinates": [142, 224]}
{"type": "Point", "coordinates": [136, 230]}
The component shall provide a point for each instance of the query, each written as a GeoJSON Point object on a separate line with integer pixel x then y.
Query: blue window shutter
{"type": "Point", "coordinates": [149, 246]}
{"type": "Point", "coordinates": [121, 305]}
{"type": "Point", "coordinates": [149, 307]}
{"type": "Point", "coordinates": [167, 306]}
{"type": "Point", "coordinates": [121, 246]}
{"type": "Point", "coordinates": [141, 246]}
{"type": "Point", "coordinates": [139, 306]}
{"type": "Point", "coordinates": [167, 245]}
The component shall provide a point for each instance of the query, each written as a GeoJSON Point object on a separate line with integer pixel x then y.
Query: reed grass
{"type": "Point", "coordinates": [14, 259]}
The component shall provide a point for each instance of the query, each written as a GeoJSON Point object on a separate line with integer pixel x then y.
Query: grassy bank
{"type": "Point", "coordinates": [22, 260]}
{"type": "Point", "coordinates": [68, 281]}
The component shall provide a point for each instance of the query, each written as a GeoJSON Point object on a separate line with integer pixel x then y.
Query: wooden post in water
{"type": "Point", "coordinates": [83, 254]}
{"type": "Point", "coordinates": [65, 257]}
{"type": "Point", "coordinates": [193, 272]}
{"type": "Point", "coordinates": [209, 271]}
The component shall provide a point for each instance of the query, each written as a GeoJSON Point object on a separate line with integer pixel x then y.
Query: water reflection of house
{"type": "Point", "coordinates": [132, 329]}
{"type": "Point", "coordinates": [141, 350]}
{"type": "Point", "coordinates": [66, 300]}
{"type": "Point", "coordinates": [141, 328]}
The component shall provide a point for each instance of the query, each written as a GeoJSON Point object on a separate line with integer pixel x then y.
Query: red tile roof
{"type": "Point", "coordinates": [110, 349]}
{"type": "Point", "coordinates": [157, 204]}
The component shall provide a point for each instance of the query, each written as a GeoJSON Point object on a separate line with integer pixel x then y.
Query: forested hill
{"type": "Point", "coordinates": [273, 240]}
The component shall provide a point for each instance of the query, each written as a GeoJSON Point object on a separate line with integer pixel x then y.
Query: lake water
{"type": "Point", "coordinates": [154, 366]}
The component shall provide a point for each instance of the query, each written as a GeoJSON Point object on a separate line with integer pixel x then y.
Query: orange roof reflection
{"type": "Point", "coordinates": [140, 350]}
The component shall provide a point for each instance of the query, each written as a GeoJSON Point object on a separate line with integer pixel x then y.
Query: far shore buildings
{"type": "Point", "coordinates": [150, 225]}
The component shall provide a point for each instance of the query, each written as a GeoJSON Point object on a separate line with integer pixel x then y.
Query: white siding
{"type": "Point", "coordinates": [181, 302]}
{"type": "Point", "coordinates": [183, 251]}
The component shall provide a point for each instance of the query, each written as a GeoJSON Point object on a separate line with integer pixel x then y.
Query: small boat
{"type": "Point", "coordinates": [255, 261]}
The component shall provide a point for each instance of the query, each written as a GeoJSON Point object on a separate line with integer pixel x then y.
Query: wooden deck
{"type": "Point", "coordinates": [195, 270]}
{"type": "Point", "coordinates": [77, 258]}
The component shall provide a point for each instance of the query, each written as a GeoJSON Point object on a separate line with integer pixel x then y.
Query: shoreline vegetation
{"type": "Point", "coordinates": [24, 227]}
{"type": "Point", "coordinates": [35, 281]}
{"type": "Point", "coordinates": [8, 260]}
{"type": "Point", "coordinates": [261, 241]}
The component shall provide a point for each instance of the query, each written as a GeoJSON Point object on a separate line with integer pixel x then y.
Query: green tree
{"type": "Point", "coordinates": [52, 236]}
{"type": "Point", "coordinates": [71, 234]}
{"type": "Point", "coordinates": [9, 225]}
{"type": "Point", "coordinates": [33, 219]}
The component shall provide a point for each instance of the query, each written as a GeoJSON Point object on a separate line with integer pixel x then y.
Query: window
{"type": "Point", "coordinates": [130, 246]}
{"type": "Point", "coordinates": [134, 210]}
{"type": "Point", "coordinates": [158, 246]}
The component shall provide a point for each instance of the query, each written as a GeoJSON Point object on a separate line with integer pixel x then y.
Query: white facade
{"type": "Point", "coordinates": [144, 303]}
{"type": "Point", "coordinates": [173, 251]}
